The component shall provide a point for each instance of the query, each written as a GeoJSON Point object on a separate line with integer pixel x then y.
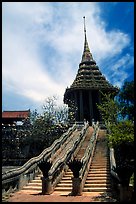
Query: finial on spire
{"type": "Point", "coordinates": [84, 24]}
{"type": "Point", "coordinates": [87, 56]}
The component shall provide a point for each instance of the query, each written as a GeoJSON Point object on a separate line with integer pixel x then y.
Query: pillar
{"type": "Point", "coordinates": [75, 98]}
{"type": "Point", "coordinates": [91, 106]}
{"type": "Point", "coordinates": [99, 101]}
{"type": "Point", "coordinates": [81, 106]}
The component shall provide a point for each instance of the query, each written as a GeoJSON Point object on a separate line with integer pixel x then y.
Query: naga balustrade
{"type": "Point", "coordinates": [15, 179]}
{"type": "Point", "coordinates": [80, 168]}
{"type": "Point", "coordinates": [52, 175]}
{"type": "Point", "coordinates": [113, 165]}
{"type": "Point", "coordinates": [125, 192]}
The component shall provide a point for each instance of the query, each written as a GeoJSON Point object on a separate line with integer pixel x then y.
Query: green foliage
{"type": "Point", "coordinates": [109, 109]}
{"type": "Point", "coordinates": [123, 107]}
{"type": "Point", "coordinates": [126, 99]}
{"type": "Point", "coordinates": [121, 138]}
{"type": "Point", "coordinates": [127, 92]}
{"type": "Point", "coordinates": [48, 126]}
{"type": "Point", "coordinates": [121, 132]}
{"type": "Point", "coordinates": [36, 133]}
{"type": "Point", "coordinates": [72, 111]}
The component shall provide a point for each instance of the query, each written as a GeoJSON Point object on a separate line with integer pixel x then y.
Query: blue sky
{"type": "Point", "coordinates": [42, 46]}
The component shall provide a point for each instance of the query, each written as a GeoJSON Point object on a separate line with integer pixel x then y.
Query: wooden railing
{"type": "Point", "coordinates": [15, 179]}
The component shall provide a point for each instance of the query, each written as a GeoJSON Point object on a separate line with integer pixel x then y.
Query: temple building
{"type": "Point", "coordinates": [13, 117]}
{"type": "Point", "coordinates": [87, 88]}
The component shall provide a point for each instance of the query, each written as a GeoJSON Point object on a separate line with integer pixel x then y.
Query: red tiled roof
{"type": "Point", "coordinates": [16, 114]}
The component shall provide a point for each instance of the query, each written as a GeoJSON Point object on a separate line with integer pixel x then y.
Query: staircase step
{"type": "Point", "coordinates": [63, 189]}
{"type": "Point", "coordinates": [97, 181]}
{"type": "Point", "coordinates": [97, 178]}
{"type": "Point", "coordinates": [34, 184]}
{"type": "Point", "coordinates": [97, 174]}
{"type": "Point", "coordinates": [32, 188]}
{"type": "Point", "coordinates": [99, 166]}
{"type": "Point", "coordinates": [103, 166]}
{"type": "Point", "coordinates": [99, 162]}
{"type": "Point", "coordinates": [94, 185]}
{"type": "Point", "coordinates": [98, 170]}
{"type": "Point", "coordinates": [66, 178]}
{"type": "Point", "coordinates": [64, 185]}
{"type": "Point", "coordinates": [66, 181]}
{"type": "Point", "coordinates": [69, 174]}
{"type": "Point", "coordinates": [102, 189]}
{"type": "Point", "coordinates": [36, 181]}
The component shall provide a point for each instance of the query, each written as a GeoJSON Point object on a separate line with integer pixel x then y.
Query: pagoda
{"type": "Point", "coordinates": [87, 88]}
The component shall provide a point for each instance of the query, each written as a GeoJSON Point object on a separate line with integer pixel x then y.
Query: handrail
{"type": "Point", "coordinates": [32, 163]}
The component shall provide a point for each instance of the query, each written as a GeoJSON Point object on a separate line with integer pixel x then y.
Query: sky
{"type": "Point", "coordinates": [42, 46]}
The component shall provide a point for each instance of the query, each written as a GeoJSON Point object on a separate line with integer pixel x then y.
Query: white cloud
{"type": "Point", "coordinates": [32, 29]}
{"type": "Point", "coordinates": [118, 70]}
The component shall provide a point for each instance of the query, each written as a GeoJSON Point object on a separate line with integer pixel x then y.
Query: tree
{"type": "Point", "coordinates": [126, 99]}
{"type": "Point", "coordinates": [61, 114]}
{"type": "Point", "coordinates": [109, 109]}
{"type": "Point", "coordinates": [120, 133]}
{"type": "Point", "coordinates": [72, 111]}
{"type": "Point", "coordinates": [47, 126]}
{"type": "Point", "coordinates": [121, 138]}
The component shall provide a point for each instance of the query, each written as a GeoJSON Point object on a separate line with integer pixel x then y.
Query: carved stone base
{"type": "Point", "coordinates": [46, 186]}
{"type": "Point", "coordinates": [76, 186]}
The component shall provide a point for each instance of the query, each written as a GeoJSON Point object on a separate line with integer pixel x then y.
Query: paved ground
{"type": "Point", "coordinates": [21, 196]}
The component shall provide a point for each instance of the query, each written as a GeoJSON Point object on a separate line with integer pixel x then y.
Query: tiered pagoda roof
{"type": "Point", "coordinates": [89, 76]}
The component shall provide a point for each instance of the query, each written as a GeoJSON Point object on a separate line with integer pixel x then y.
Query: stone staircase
{"type": "Point", "coordinates": [98, 179]}
{"type": "Point", "coordinates": [64, 187]}
{"type": "Point", "coordinates": [34, 186]}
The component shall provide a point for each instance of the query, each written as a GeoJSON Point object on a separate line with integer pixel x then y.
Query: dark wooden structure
{"type": "Point", "coordinates": [85, 91]}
